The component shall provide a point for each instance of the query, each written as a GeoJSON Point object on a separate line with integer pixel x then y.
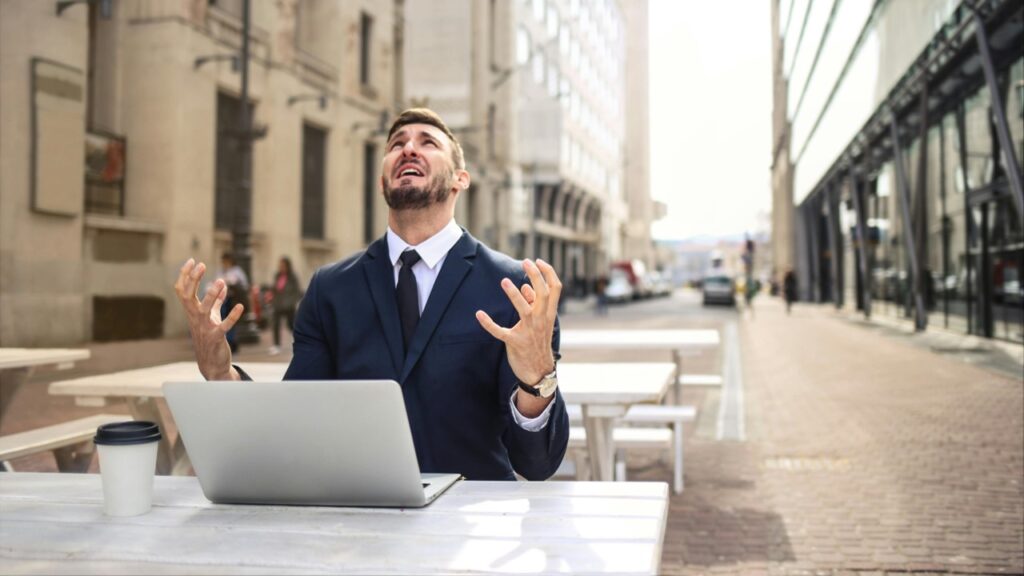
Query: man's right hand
{"type": "Point", "coordinates": [204, 322]}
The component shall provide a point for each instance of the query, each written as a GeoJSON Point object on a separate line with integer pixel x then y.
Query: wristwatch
{"type": "Point", "coordinates": [543, 389]}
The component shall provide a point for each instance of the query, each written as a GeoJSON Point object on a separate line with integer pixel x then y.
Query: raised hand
{"type": "Point", "coordinates": [205, 323]}
{"type": "Point", "coordinates": [528, 343]}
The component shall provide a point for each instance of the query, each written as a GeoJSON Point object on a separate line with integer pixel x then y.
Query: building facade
{"type": "Point", "coordinates": [121, 147]}
{"type": "Point", "coordinates": [899, 146]}
{"type": "Point", "coordinates": [90, 243]}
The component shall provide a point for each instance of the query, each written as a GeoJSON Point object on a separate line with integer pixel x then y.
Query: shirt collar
{"type": "Point", "coordinates": [432, 250]}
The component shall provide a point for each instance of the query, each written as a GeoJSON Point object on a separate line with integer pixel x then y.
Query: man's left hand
{"type": "Point", "coordinates": [528, 343]}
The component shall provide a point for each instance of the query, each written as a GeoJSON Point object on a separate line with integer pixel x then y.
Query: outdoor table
{"type": "Point", "coordinates": [17, 363]}
{"type": "Point", "coordinates": [54, 523]}
{"type": "Point", "coordinates": [141, 387]}
{"type": "Point", "coordinates": [678, 342]}
{"type": "Point", "coordinates": [605, 391]}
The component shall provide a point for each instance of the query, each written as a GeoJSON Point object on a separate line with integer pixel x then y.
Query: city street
{"type": "Point", "coordinates": [844, 447]}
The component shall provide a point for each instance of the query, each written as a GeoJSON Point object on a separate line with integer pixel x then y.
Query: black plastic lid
{"type": "Point", "coordinates": [126, 433]}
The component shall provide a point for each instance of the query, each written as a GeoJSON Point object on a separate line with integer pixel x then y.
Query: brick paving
{"type": "Point", "coordinates": [864, 453]}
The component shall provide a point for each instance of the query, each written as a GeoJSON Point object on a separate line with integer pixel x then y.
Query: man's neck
{"type": "Point", "coordinates": [416, 226]}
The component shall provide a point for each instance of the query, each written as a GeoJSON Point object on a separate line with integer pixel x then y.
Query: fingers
{"type": "Point", "coordinates": [538, 283]}
{"type": "Point", "coordinates": [233, 317]}
{"type": "Point", "coordinates": [554, 287]}
{"type": "Point", "coordinates": [183, 275]}
{"type": "Point", "coordinates": [188, 282]}
{"type": "Point", "coordinates": [215, 295]}
{"type": "Point", "coordinates": [528, 293]}
{"type": "Point", "coordinates": [516, 298]}
{"type": "Point", "coordinates": [490, 326]}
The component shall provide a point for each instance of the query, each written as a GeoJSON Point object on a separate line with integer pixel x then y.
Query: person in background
{"type": "Point", "coordinates": [237, 289]}
{"type": "Point", "coordinates": [789, 289]}
{"type": "Point", "coordinates": [286, 296]}
{"type": "Point", "coordinates": [602, 296]}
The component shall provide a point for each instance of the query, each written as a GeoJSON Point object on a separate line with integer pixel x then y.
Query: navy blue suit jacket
{"type": "Point", "coordinates": [456, 378]}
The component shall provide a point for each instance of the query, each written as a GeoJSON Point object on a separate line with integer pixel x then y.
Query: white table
{"type": "Point", "coordinates": [17, 363]}
{"type": "Point", "coordinates": [140, 388]}
{"type": "Point", "coordinates": [677, 342]}
{"type": "Point", "coordinates": [54, 523]}
{"type": "Point", "coordinates": [606, 391]}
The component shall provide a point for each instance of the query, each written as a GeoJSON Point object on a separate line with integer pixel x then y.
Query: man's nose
{"type": "Point", "coordinates": [409, 149]}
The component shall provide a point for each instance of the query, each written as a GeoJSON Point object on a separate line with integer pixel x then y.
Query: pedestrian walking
{"type": "Point", "coordinates": [285, 299]}
{"type": "Point", "coordinates": [750, 289]}
{"type": "Point", "coordinates": [602, 297]}
{"type": "Point", "coordinates": [789, 289]}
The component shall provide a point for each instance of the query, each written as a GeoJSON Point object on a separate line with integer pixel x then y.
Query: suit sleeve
{"type": "Point", "coordinates": [311, 353]}
{"type": "Point", "coordinates": [535, 455]}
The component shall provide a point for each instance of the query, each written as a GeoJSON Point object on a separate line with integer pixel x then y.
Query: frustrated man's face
{"type": "Point", "coordinates": [418, 168]}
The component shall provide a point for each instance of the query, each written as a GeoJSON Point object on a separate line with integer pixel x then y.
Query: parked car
{"type": "Point", "coordinates": [619, 289]}
{"type": "Point", "coordinates": [636, 274]}
{"type": "Point", "coordinates": [661, 284]}
{"type": "Point", "coordinates": [719, 289]}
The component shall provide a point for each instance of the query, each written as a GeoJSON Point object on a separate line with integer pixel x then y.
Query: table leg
{"type": "Point", "coordinates": [10, 381]}
{"type": "Point", "coordinates": [677, 387]}
{"type": "Point", "coordinates": [599, 422]}
{"type": "Point", "coordinates": [170, 455]}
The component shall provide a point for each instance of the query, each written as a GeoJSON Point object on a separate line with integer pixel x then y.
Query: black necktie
{"type": "Point", "coordinates": [408, 296]}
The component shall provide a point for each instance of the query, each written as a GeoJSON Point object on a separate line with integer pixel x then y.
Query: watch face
{"type": "Point", "coordinates": [547, 387]}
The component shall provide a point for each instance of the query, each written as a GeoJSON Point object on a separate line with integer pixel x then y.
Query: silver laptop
{"type": "Point", "coordinates": [331, 443]}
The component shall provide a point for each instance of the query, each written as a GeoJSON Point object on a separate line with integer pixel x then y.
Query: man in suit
{"type": "Point", "coordinates": [470, 334]}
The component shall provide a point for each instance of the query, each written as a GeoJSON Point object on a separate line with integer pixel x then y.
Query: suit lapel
{"type": "Point", "coordinates": [380, 275]}
{"type": "Point", "coordinates": [456, 265]}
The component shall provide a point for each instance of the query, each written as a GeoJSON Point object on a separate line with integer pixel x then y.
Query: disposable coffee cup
{"type": "Point", "coordinates": [127, 466]}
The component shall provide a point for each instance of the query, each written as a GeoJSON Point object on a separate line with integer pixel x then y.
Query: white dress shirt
{"type": "Point", "coordinates": [432, 253]}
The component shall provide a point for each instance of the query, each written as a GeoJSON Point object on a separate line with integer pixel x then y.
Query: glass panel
{"type": "Point", "coordinates": [1015, 109]}
{"type": "Point", "coordinates": [979, 140]}
{"type": "Point", "coordinates": [1006, 254]}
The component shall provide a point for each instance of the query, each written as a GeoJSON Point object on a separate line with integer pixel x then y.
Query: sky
{"type": "Point", "coordinates": [710, 123]}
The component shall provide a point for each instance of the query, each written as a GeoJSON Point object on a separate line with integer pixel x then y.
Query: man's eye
{"type": "Point", "coordinates": [396, 145]}
{"type": "Point", "coordinates": [431, 143]}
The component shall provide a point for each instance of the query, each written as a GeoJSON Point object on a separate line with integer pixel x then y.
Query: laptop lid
{"type": "Point", "coordinates": [322, 443]}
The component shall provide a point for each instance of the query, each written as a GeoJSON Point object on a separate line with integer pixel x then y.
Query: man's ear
{"type": "Point", "coordinates": [463, 180]}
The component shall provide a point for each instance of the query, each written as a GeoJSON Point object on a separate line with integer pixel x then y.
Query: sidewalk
{"type": "Point", "coordinates": [864, 453]}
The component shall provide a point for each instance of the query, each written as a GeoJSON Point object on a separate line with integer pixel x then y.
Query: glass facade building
{"type": "Point", "coordinates": [899, 149]}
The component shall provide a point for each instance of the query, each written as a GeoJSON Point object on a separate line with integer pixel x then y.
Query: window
{"type": "Point", "coordinates": [553, 81]}
{"type": "Point", "coordinates": [552, 22]}
{"type": "Point", "coordinates": [538, 10]}
{"type": "Point", "coordinates": [522, 45]}
{"type": "Point", "coordinates": [365, 44]}
{"type": "Point", "coordinates": [538, 68]}
{"type": "Point", "coordinates": [314, 144]}
{"type": "Point", "coordinates": [228, 171]}
{"type": "Point", "coordinates": [369, 190]}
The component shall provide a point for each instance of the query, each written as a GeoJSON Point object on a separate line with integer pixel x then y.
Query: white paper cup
{"type": "Point", "coordinates": [127, 465]}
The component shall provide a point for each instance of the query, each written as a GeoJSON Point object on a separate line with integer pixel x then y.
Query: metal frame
{"type": "Point", "coordinates": [1002, 127]}
{"type": "Point", "coordinates": [856, 191]}
{"type": "Point", "coordinates": [903, 186]}
{"type": "Point", "coordinates": [835, 243]}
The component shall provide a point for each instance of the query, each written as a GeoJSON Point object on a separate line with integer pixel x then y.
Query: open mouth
{"type": "Point", "coordinates": [407, 170]}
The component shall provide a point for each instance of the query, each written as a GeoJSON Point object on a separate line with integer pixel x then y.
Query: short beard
{"type": "Point", "coordinates": [418, 197]}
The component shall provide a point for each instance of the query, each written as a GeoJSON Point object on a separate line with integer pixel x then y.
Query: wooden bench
{"type": "Point", "coordinates": [623, 439]}
{"type": "Point", "coordinates": [674, 416]}
{"type": "Point", "coordinates": [65, 439]}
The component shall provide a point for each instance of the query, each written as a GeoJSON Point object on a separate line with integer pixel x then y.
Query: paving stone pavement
{"type": "Point", "coordinates": [864, 453]}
